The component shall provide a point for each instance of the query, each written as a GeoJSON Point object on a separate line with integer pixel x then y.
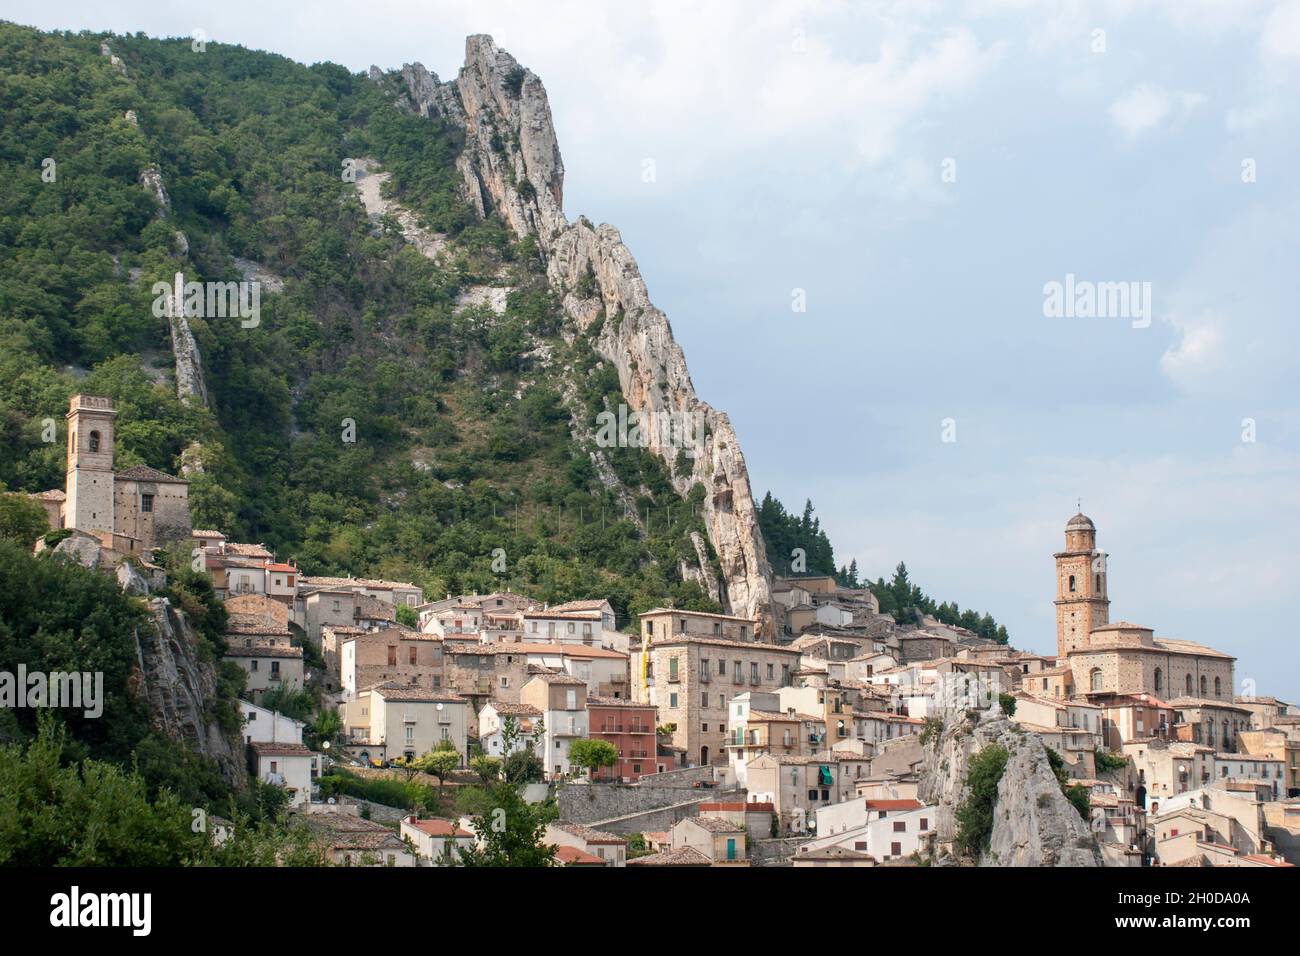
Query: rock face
{"type": "Point", "coordinates": [1034, 824]}
{"type": "Point", "coordinates": [179, 685]}
{"type": "Point", "coordinates": [511, 164]}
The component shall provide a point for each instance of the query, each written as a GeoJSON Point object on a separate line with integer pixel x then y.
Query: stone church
{"type": "Point", "coordinates": [1123, 658]}
{"type": "Point", "coordinates": [131, 510]}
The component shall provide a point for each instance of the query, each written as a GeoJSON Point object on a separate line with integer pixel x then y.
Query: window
{"type": "Point", "coordinates": [412, 655]}
{"type": "Point", "coordinates": [925, 824]}
{"type": "Point", "coordinates": [1218, 687]}
{"type": "Point", "coordinates": [895, 849]}
{"type": "Point", "coordinates": [392, 655]}
{"type": "Point", "coordinates": [672, 668]}
{"type": "Point", "coordinates": [1071, 582]}
{"type": "Point", "coordinates": [704, 700]}
{"type": "Point", "coordinates": [771, 671]}
{"type": "Point", "coordinates": [146, 504]}
{"type": "Point", "coordinates": [1159, 681]}
{"type": "Point", "coordinates": [672, 700]}
{"type": "Point", "coordinates": [1099, 584]}
{"type": "Point", "coordinates": [1203, 683]}
{"type": "Point", "coordinates": [94, 441]}
{"type": "Point", "coordinates": [1094, 679]}
{"type": "Point", "coordinates": [753, 671]}
{"type": "Point", "coordinates": [722, 668]}
{"type": "Point", "coordinates": [900, 826]}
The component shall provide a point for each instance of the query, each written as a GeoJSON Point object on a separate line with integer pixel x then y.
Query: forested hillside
{"type": "Point", "coordinates": [463, 441]}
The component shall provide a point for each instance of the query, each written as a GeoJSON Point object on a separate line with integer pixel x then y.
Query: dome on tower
{"type": "Point", "coordinates": [1080, 522]}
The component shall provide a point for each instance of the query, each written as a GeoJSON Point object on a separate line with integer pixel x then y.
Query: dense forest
{"type": "Point", "coordinates": [462, 418]}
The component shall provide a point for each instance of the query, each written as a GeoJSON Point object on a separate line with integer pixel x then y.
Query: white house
{"type": "Point", "coordinates": [284, 764]}
{"type": "Point", "coordinates": [262, 725]}
{"type": "Point", "coordinates": [437, 841]}
{"type": "Point", "coordinates": [491, 718]}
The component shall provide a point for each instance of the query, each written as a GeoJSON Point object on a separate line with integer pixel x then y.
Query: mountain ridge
{"type": "Point", "coordinates": [521, 175]}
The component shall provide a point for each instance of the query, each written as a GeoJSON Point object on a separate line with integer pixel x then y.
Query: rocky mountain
{"type": "Point", "coordinates": [436, 342]}
{"type": "Point", "coordinates": [1033, 822]}
{"type": "Point", "coordinates": [511, 164]}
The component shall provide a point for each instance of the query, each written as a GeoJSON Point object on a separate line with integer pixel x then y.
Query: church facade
{"type": "Point", "coordinates": [1123, 658]}
{"type": "Point", "coordinates": [131, 510]}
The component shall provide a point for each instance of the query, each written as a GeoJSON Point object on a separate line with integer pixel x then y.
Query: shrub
{"type": "Point", "coordinates": [975, 815]}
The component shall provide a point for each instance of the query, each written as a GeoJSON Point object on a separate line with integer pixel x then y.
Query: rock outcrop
{"type": "Point", "coordinates": [1033, 823]}
{"type": "Point", "coordinates": [179, 686]}
{"type": "Point", "coordinates": [511, 165]}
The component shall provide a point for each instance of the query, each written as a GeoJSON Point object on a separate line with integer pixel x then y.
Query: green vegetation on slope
{"type": "Point", "coordinates": [784, 533]}
{"type": "Point", "coordinates": [462, 431]}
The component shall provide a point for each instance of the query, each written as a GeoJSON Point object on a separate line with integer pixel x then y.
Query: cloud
{"type": "Point", "coordinates": [1146, 106]}
{"type": "Point", "coordinates": [1280, 37]}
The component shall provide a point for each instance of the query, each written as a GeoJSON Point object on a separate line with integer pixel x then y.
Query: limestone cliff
{"type": "Point", "coordinates": [1033, 824]}
{"type": "Point", "coordinates": [179, 686]}
{"type": "Point", "coordinates": [511, 165]}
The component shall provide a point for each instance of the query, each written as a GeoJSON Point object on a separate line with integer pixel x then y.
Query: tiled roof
{"type": "Point", "coordinates": [715, 824]}
{"type": "Point", "coordinates": [392, 691]}
{"type": "Point", "coordinates": [438, 828]}
{"type": "Point", "coordinates": [683, 856]}
{"type": "Point", "coordinates": [513, 710]}
{"type": "Point", "coordinates": [589, 834]}
{"type": "Point", "coordinates": [572, 856]}
{"type": "Point", "coordinates": [268, 749]}
{"type": "Point", "coordinates": [145, 473]}
{"type": "Point", "coordinates": [264, 652]}
{"type": "Point", "coordinates": [894, 804]}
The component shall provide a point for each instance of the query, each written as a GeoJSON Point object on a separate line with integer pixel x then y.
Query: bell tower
{"type": "Point", "coordinates": [1081, 587]}
{"type": "Point", "coordinates": [89, 505]}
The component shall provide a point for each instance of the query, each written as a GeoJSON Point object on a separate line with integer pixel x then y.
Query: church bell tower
{"type": "Point", "coordinates": [89, 488]}
{"type": "Point", "coordinates": [1081, 588]}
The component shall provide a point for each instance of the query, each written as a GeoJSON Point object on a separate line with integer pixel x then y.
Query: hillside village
{"type": "Point", "coordinates": [835, 737]}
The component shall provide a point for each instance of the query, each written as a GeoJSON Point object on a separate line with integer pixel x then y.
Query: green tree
{"type": "Point", "coordinates": [511, 830]}
{"type": "Point", "coordinates": [22, 519]}
{"type": "Point", "coordinates": [487, 768]}
{"type": "Point", "coordinates": [591, 754]}
{"type": "Point", "coordinates": [88, 813]}
{"type": "Point", "coordinates": [407, 616]}
{"type": "Point", "coordinates": [441, 762]}
{"type": "Point", "coordinates": [975, 814]}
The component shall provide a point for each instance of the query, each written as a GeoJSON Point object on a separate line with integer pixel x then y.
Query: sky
{"type": "Point", "coordinates": [917, 175]}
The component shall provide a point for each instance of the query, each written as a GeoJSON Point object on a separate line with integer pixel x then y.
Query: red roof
{"type": "Point", "coordinates": [438, 828]}
{"type": "Point", "coordinates": [572, 856]}
{"type": "Point", "coordinates": [894, 804]}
